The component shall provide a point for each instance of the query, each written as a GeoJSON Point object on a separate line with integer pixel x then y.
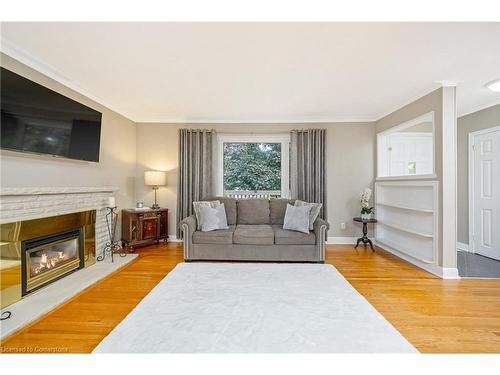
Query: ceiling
{"type": "Point", "coordinates": [261, 72]}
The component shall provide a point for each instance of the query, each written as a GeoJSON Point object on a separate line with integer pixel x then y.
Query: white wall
{"type": "Point", "coordinates": [117, 154]}
{"type": "Point", "coordinates": [350, 164]}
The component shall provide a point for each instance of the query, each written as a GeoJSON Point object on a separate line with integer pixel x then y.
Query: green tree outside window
{"type": "Point", "coordinates": [252, 166]}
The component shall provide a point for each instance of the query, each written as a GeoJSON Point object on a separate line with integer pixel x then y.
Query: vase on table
{"type": "Point", "coordinates": [366, 216]}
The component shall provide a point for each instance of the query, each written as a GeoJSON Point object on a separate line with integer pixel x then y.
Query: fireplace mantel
{"type": "Point", "coordinates": [26, 203]}
{"type": "Point", "coordinates": [10, 191]}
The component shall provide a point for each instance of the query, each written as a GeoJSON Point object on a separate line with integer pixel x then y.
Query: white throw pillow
{"type": "Point", "coordinates": [297, 218]}
{"type": "Point", "coordinates": [197, 206]}
{"type": "Point", "coordinates": [213, 218]}
{"type": "Point", "coordinates": [315, 210]}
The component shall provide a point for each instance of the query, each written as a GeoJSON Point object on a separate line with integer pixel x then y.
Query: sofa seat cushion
{"type": "Point", "coordinates": [220, 236]}
{"type": "Point", "coordinates": [254, 235]}
{"type": "Point", "coordinates": [290, 237]}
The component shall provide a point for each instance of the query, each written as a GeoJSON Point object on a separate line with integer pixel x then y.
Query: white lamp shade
{"type": "Point", "coordinates": [155, 178]}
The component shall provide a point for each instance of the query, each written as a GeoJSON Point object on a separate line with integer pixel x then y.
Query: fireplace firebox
{"type": "Point", "coordinates": [48, 258]}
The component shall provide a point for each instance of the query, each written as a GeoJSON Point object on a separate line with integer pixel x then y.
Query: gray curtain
{"type": "Point", "coordinates": [195, 178]}
{"type": "Point", "coordinates": [308, 167]}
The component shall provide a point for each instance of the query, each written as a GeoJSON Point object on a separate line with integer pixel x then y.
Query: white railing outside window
{"type": "Point", "coordinates": [245, 194]}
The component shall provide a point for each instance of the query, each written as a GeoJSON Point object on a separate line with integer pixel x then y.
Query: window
{"type": "Point", "coordinates": [253, 165]}
{"type": "Point", "coordinates": [407, 150]}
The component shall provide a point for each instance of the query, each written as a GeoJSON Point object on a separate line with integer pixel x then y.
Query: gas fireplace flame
{"type": "Point", "coordinates": [48, 261]}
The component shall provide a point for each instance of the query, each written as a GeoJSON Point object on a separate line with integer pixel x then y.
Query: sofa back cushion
{"type": "Point", "coordinates": [297, 218]}
{"type": "Point", "coordinates": [197, 208]}
{"type": "Point", "coordinates": [213, 218]}
{"type": "Point", "coordinates": [277, 207]}
{"type": "Point", "coordinates": [253, 211]}
{"type": "Point", "coordinates": [230, 206]}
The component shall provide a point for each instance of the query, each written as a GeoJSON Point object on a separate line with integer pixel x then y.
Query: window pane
{"type": "Point", "coordinates": [252, 166]}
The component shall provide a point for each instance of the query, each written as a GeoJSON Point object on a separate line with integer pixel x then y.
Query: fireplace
{"type": "Point", "coordinates": [36, 252]}
{"type": "Point", "coordinates": [48, 258]}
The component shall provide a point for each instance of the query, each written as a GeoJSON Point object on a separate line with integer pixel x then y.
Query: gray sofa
{"type": "Point", "coordinates": [255, 234]}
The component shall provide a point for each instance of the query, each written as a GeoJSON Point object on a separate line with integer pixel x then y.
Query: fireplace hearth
{"type": "Point", "coordinates": [48, 258]}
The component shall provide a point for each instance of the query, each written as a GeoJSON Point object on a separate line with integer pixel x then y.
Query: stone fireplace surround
{"type": "Point", "coordinates": [18, 204]}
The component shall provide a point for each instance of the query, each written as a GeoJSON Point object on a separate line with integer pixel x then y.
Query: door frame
{"type": "Point", "coordinates": [472, 172]}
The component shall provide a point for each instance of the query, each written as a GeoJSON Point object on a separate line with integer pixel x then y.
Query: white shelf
{"type": "Point", "coordinates": [405, 229]}
{"type": "Point", "coordinates": [407, 212]}
{"type": "Point", "coordinates": [384, 242]}
{"type": "Point", "coordinates": [428, 210]}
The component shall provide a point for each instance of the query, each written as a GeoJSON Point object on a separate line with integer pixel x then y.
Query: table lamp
{"type": "Point", "coordinates": [155, 179]}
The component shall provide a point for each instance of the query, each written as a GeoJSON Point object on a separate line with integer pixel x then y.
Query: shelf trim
{"type": "Point", "coordinates": [404, 251]}
{"type": "Point", "coordinates": [427, 210]}
{"type": "Point", "coordinates": [426, 235]}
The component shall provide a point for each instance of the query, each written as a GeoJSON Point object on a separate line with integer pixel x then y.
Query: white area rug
{"type": "Point", "coordinates": [254, 308]}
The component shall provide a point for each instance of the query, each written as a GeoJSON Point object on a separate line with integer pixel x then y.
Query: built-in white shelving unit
{"type": "Point", "coordinates": [407, 213]}
{"type": "Point", "coordinates": [404, 207]}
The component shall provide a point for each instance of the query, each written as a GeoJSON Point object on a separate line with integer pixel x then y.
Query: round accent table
{"type": "Point", "coordinates": [365, 238]}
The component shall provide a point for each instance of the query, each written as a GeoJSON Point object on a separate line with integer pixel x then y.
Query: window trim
{"type": "Point", "coordinates": [427, 116]}
{"type": "Point", "coordinates": [282, 138]}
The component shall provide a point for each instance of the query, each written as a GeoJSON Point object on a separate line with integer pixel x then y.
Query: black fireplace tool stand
{"type": "Point", "coordinates": [111, 246]}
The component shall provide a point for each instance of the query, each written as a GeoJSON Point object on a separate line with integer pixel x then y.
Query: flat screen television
{"type": "Point", "coordinates": [38, 120]}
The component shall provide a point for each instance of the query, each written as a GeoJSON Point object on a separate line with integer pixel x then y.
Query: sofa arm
{"type": "Point", "coordinates": [320, 227]}
{"type": "Point", "coordinates": [188, 227]}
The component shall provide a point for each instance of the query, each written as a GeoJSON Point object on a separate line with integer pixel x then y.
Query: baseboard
{"type": "Point", "coordinates": [462, 246]}
{"type": "Point", "coordinates": [450, 273]}
{"type": "Point", "coordinates": [442, 272]}
{"type": "Point", "coordinates": [344, 240]}
{"type": "Point", "coordinates": [173, 238]}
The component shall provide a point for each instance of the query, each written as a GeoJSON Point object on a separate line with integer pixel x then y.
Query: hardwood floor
{"type": "Point", "coordinates": [436, 316]}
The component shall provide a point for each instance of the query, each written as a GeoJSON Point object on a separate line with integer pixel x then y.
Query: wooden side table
{"type": "Point", "coordinates": [365, 238]}
{"type": "Point", "coordinates": [144, 227]}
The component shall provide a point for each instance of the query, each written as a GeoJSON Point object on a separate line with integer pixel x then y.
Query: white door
{"type": "Point", "coordinates": [485, 179]}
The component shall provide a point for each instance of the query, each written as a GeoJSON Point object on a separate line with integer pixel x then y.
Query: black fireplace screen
{"type": "Point", "coordinates": [48, 258]}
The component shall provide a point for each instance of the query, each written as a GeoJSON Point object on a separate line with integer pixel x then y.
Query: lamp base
{"type": "Point", "coordinates": [155, 206]}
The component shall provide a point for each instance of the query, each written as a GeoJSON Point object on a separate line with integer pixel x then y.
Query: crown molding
{"type": "Point", "coordinates": [478, 108]}
{"type": "Point", "coordinates": [258, 121]}
{"type": "Point", "coordinates": [24, 57]}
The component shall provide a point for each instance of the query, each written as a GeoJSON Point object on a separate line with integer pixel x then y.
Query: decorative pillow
{"type": "Point", "coordinates": [213, 218]}
{"type": "Point", "coordinates": [297, 218]}
{"type": "Point", "coordinates": [197, 206]}
{"type": "Point", "coordinates": [313, 214]}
